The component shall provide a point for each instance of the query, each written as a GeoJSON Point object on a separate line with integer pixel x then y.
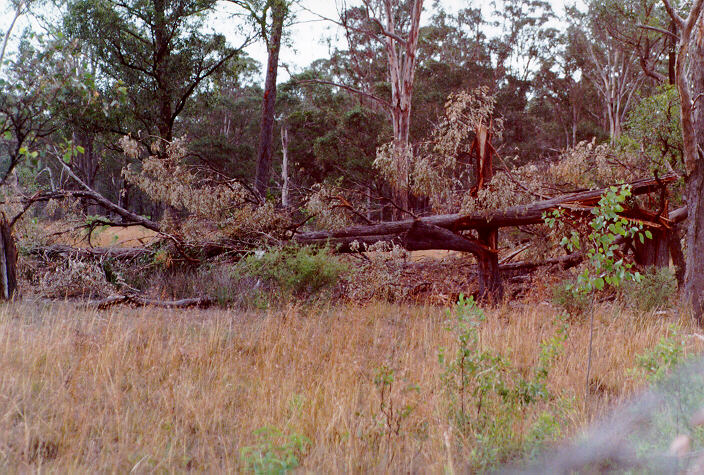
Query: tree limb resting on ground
{"type": "Point", "coordinates": [202, 302]}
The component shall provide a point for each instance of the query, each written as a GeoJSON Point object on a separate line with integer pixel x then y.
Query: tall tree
{"type": "Point", "coordinates": [269, 18]}
{"type": "Point", "coordinates": [396, 24]}
{"type": "Point", "coordinates": [611, 67]}
{"type": "Point", "coordinates": [155, 49]}
{"type": "Point", "coordinates": [690, 54]}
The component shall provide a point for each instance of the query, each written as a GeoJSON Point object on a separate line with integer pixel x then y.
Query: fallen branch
{"type": "Point", "coordinates": [202, 302]}
{"type": "Point", "coordinates": [58, 250]}
{"type": "Point", "coordinates": [89, 192]}
{"type": "Point", "coordinates": [565, 262]}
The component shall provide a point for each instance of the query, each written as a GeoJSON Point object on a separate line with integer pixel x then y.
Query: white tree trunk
{"type": "Point", "coordinates": [284, 166]}
{"type": "Point", "coordinates": [401, 54]}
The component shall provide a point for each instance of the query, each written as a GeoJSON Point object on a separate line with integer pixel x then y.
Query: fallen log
{"type": "Point", "coordinates": [422, 236]}
{"type": "Point", "coordinates": [63, 251]}
{"type": "Point", "coordinates": [202, 302]}
{"type": "Point", "coordinates": [565, 262]}
{"type": "Point", "coordinates": [513, 216]}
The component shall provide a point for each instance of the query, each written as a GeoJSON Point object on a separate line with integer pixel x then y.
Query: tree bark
{"type": "Point", "coordinates": [690, 31]}
{"type": "Point", "coordinates": [678, 259]}
{"type": "Point", "coordinates": [491, 287]}
{"type": "Point", "coordinates": [8, 261]}
{"type": "Point", "coordinates": [653, 252]}
{"type": "Point", "coordinates": [284, 166]}
{"type": "Point", "coordinates": [266, 133]}
{"type": "Point", "coordinates": [161, 70]}
{"type": "Point", "coordinates": [694, 272]}
{"type": "Point", "coordinates": [402, 65]}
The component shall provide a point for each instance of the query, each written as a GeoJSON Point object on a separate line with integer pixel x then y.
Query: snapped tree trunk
{"type": "Point", "coordinates": [491, 287]}
{"type": "Point", "coordinates": [266, 133]}
{"type": "Point", "coordinates": [655, 251]}
{"type": "Point", "coordinates": [8, 261]}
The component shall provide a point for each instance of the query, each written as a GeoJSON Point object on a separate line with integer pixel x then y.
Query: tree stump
{"type": "Point", "coordinates": [653, 252]}
{"type": "Point", "coordinates": [491, 288]}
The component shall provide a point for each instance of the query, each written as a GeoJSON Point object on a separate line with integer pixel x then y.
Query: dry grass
{"type": "Point", "coordinates": [164, 391]}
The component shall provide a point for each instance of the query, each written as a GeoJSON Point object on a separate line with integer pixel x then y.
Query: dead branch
{"type": "Point", "coordinates": [201, 302]}
{"type": "Point", "coordinates": [61, 251]}
{"type": "Point", "coordinates": [88, 192]}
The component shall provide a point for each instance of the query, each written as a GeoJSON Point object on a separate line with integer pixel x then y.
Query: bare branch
{"type": "Point", "coordinates": [353, 90]}
{"type": "Point", "coordinates": [659, 30]}
{"type": "Point", "coordinates": [107, 204]}
{"type": "Point", "coordinates": [679, 21]}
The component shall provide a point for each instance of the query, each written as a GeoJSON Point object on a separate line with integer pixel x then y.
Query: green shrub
{"type": "Point", "coordinates": [654, 290]}
{"type": "Point", "coordinates": [274, 452]}
{"type": "Point", "coordinates": [657, 362]}
{"type": "Point", "coordinates": [487, 394]}
{"type": "Point", "coordinates": [301, 271]}
{"type": "Point", "coordinates": [565, 297]}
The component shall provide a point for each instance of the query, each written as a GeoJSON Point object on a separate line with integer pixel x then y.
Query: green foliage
{"type": "Point", "coordinates": [653, 365]}
{"type": "Point", "coordinates": [604, 268]}
{"type": "Point", "coordinates": [275, 452]}
{"type": "Point", "coordinates": [574, 303]}
{"type": "Point", "coordinates": [653, 129]}
{"type": "Point", "coordinates": [390, 419]}
{"type": "Point", "coordinates": [301, 271]}
{"type": "Point", "coordinates": [654, 290]}
{"type": "Point", "coordinates": [486, 394]}
{"type": "Point", "coordinates": [156, 53]}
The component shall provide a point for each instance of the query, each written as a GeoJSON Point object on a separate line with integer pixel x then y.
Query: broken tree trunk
{"type": "Point", "coordinates": [655, 251]}
{"type": "Point", "coordinates": [441, 231]}
{"type": "Point", "coordinates": [422, 236]}
{"type": "Point", "coordinates": [8, 261]}
{"type": "Point", "coordinates": [490, 284]}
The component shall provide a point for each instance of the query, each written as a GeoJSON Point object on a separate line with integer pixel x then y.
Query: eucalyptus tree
{"type": "Point", "coordinates": [611, 67]}
{"type": "Point", "coordinates": [155, 51]}
{"type": "Point", "coordinates": [269, 18]}
{"type": "Point", "coordinates": [39, 76]}
{"type": "Point", "coordinates": [690, 55]}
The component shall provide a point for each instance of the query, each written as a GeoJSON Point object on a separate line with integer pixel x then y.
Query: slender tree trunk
{"type": "Point", "coordinates": [161, 60]}
{"type": "Point", "coordinates": [18, 12]}
{"type": "Point", "coordinates": [284, 166]}
{"type": "Point", "coordinates": [672, 55]}
{"type": "Point", "coordinates": [266, 134]}
{"type": "Point", "coordinates": [402, 63]}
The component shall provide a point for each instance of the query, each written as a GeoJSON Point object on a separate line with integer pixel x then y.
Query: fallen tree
{"type": "Point", "coordinates": [513, 216]}
{"type": "Point", "coordinates": [63, 251]}
{"type": "Point", "coordinates": [442, 231]}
